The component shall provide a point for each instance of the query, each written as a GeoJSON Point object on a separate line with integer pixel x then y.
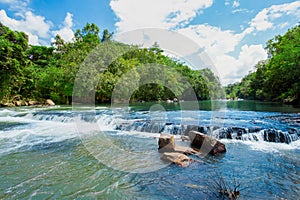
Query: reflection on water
{"type": "Point", "coordinates": [244, 105]}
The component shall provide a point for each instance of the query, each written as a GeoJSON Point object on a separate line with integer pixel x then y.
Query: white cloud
{"type": "Point", "coordinates": [167, 14]}
{"type": "Point", "coordinates": [283, 25]}
{"type": "Point", "coordinates": [34, 25]}
{"type": "Point", "coordinates": [263, 20]}
{"type": "Point", "coordinates": [6, 1]}
{"type": "Point", "coordinates": [213, 39]}
{"type": "Point", "coordinates": [21, 6]}
{"type": "Point", "coordinates": [219, 43]}
{"type": "Point", "coordinates": [66, 31]}
{"type": "Point", "coordinates": [241, 10]}
{"type": "Point", "coordinates": [249, 57]}
{"type": "Point", "coordinates": [235, 4]}
{"type": "Point", "coordinates": [232, 69]}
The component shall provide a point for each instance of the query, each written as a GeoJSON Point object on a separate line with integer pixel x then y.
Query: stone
{"type": "Point", "coordinates": [206, 144]}
{"type": "Point", "coordinates": [225, 133]}
{"type": "Point", "coordinates": [185, 150]}
{"type": "Point", "coordinates": [8, 104]}
{"type": "Point", "coordinates": [177, 158]}
{"type": "Point", "coordinates": [18, 103]}
{"type": "Point", "coordinates": [254, 129]}
{"type": "Point", "coordinates": [32, 103]}
{"type": "Point", "coordinates": [23, 103]}
{"type": "Point", "coordinates": [166, 143]}
{"type": "Point", "coordinates": [49, 102]}
{"type": "Point", "coordinates": [271, 135]}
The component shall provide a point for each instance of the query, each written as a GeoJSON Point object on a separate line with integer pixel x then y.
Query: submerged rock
{"type": "Point", "coordinates": [185, 150]}
{"type": "Point", "coordinates": [177, 158]}
{"type": "Point", "coordinates": [206, 144]}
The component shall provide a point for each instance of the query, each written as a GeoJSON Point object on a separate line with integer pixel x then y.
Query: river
{"type": "Point", "coordinates": [100, 152]}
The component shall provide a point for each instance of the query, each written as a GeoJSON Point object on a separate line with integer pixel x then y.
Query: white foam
{"type": "Point", "coordinates": [265, 146]}
{"type": "Point", "coordinates": [6, 112]}
{"type": "Point", "coordinates": [36, 133]}
{"type": "Point", "coordinates": [139, 134]}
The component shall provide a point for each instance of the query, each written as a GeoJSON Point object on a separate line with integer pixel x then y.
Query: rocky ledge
{"type": "Point", "coordinates": [200, 144]}
{"type": "Point", "coordinates": [18, 101]}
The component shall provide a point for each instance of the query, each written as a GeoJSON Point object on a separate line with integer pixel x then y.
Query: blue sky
{"type": "Point", "coordinates": [233, 33]}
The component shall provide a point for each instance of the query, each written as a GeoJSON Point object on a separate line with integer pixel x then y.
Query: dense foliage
{"type": "Point", "coordinates": [278, 78]}
{"type": "Point", "coordinates": [40, 72]}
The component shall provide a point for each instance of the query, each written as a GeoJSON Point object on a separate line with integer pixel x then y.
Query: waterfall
{"type": "Point", "coordinates": [145, 125]}
{"type": "Point", "coordinates": [238, 133]}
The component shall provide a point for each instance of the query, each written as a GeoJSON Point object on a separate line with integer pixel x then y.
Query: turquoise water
{"type": "Point", "coordinates": [57, 152]}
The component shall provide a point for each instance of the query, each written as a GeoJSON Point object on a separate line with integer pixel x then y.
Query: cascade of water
{"type": "Point", "coordinates": [239, 133]}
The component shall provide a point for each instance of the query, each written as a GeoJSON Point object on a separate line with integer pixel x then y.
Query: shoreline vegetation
{"type": "Point", "coordinates": [276, 79]}
{"type": "Point", "coordinates": [33, 75]}
{"type": "Point", "coordinates": [40, 72]}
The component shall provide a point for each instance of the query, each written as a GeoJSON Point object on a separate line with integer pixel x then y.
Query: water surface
{"type": "Point", "coordinates": [42, 154]}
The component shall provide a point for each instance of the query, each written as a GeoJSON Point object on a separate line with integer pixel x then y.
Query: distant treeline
{"type": "Point", "coordinates": [41, 72]}
{"type": "Point", "coordinates": [276, 79]}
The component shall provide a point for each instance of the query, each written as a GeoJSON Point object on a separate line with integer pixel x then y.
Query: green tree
{"type": "Point", "coordinates": [12, 61]}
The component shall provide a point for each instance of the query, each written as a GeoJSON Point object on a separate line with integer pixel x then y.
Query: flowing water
{"type": "Point", "coordinates": [104, 153]}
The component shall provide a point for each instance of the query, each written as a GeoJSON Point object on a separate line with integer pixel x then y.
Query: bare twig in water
{"type": "Point", "coordinates": [221, 189]}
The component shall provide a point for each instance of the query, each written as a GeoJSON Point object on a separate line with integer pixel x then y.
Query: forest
{"type": "Point", "coordinates": [48, 72]}
{"type": "Point", "coordinates": [277, 78]}
{"type": "Point", "coordinates": [30, 72]}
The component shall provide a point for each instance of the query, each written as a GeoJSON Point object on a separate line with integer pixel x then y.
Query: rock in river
{"type": "Point", "coordinates": [206, 144]}
{"type": "Point", "coordinates": [177, 158]}
{"type": "Point", "coordinates": [166, 143]}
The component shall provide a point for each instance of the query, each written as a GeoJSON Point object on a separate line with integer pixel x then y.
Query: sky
{"type": "Point", "coordinates": [233, 33]}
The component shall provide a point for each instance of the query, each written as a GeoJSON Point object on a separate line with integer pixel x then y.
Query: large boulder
{"type": "Point", "coordinates": [166, 143]}
{"type": "Point", "coordinates": [49, 102]}
{"type": "Point", "coordinates": [206, 144]}
{"type": "Point", "coordinates": [177, 158]}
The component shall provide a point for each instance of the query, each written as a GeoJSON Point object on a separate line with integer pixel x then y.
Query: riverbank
{"type": "Point", "coordinates": [18, 101]}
